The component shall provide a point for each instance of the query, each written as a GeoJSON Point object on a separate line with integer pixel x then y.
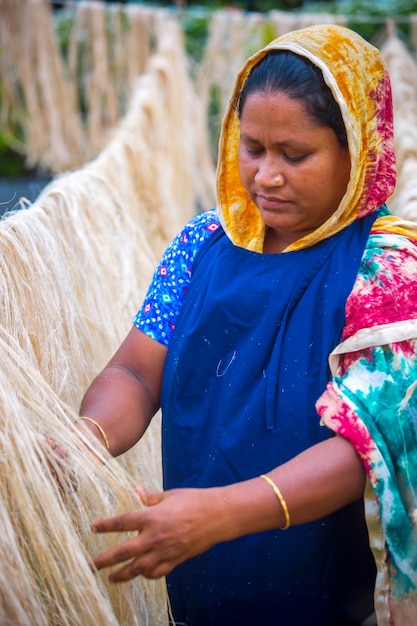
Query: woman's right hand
{"type": "Point", "coordinates": [175, 526]}
{"type": "Point", "coordinates": [181, 523]}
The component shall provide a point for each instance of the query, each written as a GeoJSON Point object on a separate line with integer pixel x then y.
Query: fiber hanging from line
{"type": "Point", "coordinates": [47, 504]}
{"type": "Point", "coordinates": [38, 92]}
{"type": "Point", "coordinates": [402, 68]}
{"type": "Point", "coordinates": [74, 267]}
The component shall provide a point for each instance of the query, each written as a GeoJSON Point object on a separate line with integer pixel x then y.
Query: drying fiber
{"type": "Point", "coordinates": [39, 107]}
{"type": "Point", "coordinates": [74, 267]}
{"type": "Point", "coordinates": [117, 119]}
{"type": "Point", "coordinates": [402, 67]}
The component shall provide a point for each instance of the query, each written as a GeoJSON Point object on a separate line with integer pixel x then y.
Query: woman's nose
{"type": "Point", "coordinates": [268, 173]}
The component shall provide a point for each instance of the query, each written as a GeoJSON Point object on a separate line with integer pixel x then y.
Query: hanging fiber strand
{"type": "Point", "coordinates": [67, 103]}
{"type": "Point", "coordinates": [101, 98]}
{"type": "Point", "coordinates": [47, 504]}
{"type": "Point", "coordinates": [284, 22]}
{"type": "Point", "coordinates": [74, 266]}
{"type": "Point", "coordinates": [109, 47]}
{"type": "Point", "coordinates": [46, 97]}
{"type": "Point", "coordinates": [402, 68]}
{"type": "Point", "coordinates": [232, 37]}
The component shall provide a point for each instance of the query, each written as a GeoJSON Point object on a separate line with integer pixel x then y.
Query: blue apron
{"type": "Point", "coordinates": [247, 362]}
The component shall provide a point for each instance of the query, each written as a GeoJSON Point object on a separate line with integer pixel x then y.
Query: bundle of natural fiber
{"type": "Point", "coordinates": [38, 92]}
{"type": "Point", "coordinates": [284, 21]}
{"type": "Point", "coordinates": [65, 93]}
{"type": "Point", "coordinates": [108, 48]}
{"type": "Point", "coordinates": [47, 504]}
{"type": "Point", "coordinates": [67, 275]}
{"type": "Point", "coordinates": [232, 37]}
{"type": "Point", "coordinates": [74, 266]}
{"type": "Point", "coordinates": [402, 68]}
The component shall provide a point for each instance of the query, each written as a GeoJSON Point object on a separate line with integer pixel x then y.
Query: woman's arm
{"type": "Point", "coordinates": [123, 398]}
{"type": "Point", "coordinates": [182, 523]}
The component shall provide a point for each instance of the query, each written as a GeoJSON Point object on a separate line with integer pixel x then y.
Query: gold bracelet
{"type": "Point", "coordinates": [101, 429]}
{"type": "Point", "coordinates": [281, 499]}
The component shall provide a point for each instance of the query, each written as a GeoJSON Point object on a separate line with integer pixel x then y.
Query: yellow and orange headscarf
{"type": "Point", "coordinates": [356, 74]}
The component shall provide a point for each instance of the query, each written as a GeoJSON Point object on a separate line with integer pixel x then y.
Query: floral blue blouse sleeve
{"type": "Point", "coordinates": [158, 315]}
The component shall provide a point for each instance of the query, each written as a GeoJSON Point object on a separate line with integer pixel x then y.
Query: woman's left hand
{"type": "Point", "coordinates": [175, 526]}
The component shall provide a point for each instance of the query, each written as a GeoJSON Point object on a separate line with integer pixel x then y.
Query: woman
{"type": "Point", "coordinates": [300, 261]}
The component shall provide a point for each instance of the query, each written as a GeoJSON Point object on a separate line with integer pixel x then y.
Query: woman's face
{"type": "Point", "coordinates": [279, 138]}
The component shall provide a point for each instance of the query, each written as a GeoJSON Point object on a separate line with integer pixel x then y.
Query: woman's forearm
{"type": "Point", "coordinates": [181, 523]}
{"type": "Point", "coordinates": [123, 398]}
{"type": "Point", "coordinates": [317, 482]}
{"type": "Point", "coordinates": [119, 403]}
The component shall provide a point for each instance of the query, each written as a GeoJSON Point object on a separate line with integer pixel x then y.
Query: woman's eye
{"type": "Point", "coordinates": [254, 151]}
{"type": "Point", "coordinates": [294, 159]}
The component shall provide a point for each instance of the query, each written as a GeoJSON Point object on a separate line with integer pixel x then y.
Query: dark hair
{"type": "Point", "coordinates": [283, 71]}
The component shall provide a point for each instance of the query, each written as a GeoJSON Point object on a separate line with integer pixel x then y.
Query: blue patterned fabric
{"type": "Point", "coordinates": [160, 310]}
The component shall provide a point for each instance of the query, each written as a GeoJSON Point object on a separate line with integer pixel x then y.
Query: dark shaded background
{"type": "Point", "coordinates": [13, 188]}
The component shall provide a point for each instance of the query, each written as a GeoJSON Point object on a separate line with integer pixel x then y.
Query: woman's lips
{"type": "Point", "coordinates": [270, 202]}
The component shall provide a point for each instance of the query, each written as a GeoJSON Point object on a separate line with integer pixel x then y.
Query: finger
{"type": "Point", "coordinates": [136, 568]}
{"type": "Point", "coordinates": [130, 549]}
{"type": "Point", "coordinates": [142, 492]}
{"type": "Point", "coordinates": [128, 572]}
{"type": "Point", "coordinates": [120, 523]}
{"type": "Point", "coordinates": [148, 498]}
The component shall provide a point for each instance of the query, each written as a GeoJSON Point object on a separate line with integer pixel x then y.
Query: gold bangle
{"type": "Point", "coordinates": [281, 499]}
{"type": "Point", "coordinates": [101, 429]}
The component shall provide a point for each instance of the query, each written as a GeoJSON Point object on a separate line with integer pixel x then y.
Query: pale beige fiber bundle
{"type": "Point", "coordinates": [46, 542]}
{"type": "Point", "coordinates": [101, 98]}
{"type": "Point", "coordinates": [109, 47]}
{"type": "Point", "coordinates": [66, 102]}
{"type": "Point", "coordinates": [38, 92]}
{"type": "Point", "coordinates": [402, 67]}
{"type": "Point", "coordinates": [74, 267]}
{"type": "Point", "coordinates": [133, 43]}
{"type": "Point", "coordinates": [284, 21]}
{"type": "Point", "coordinates": [159, 157]}
{"type": "Point", "coordinates": [232, 37]}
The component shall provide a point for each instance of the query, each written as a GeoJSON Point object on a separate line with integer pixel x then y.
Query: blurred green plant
{"type": "Point", "coordinates": [367, 16]}
{"type": "Point", "coordinates": [12, 164]}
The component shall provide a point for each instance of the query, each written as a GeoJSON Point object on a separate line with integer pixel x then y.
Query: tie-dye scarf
{"type": "Point", "coordinates": [372, 401]}
{"type": "Point", "coordinates": [357, 77]}
{"type": "Point", "coordinates": [372, 397]}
